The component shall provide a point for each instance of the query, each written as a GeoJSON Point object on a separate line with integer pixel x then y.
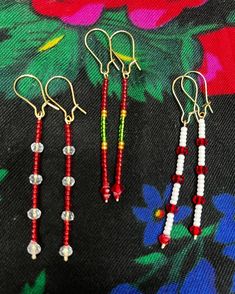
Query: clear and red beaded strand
{"type": "Point", "coordinates": [118, 188]}
{"type": "Point", "coordinates": [201, 170]}
{"type": "Point", "coordinates": [68, 181]}
{"type": "Point", "coordinates": [35, 179]}
{"type": "Point", "coordinates": [105, 188]}
{"type": "Point", "coordinates": [178, 180]}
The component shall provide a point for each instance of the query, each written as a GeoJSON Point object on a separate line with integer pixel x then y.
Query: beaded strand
{"type": "Point", "coordinates": [35, 179]}
{"type": "Point", "coordinates": [68, 181]}
{"type": "Point", "coordinates": [178, 180]}
{"type": "Point", "coordinates": [105, 189]}
{"type": "Point", "coordinates": [117, 188]}
{"type": "Point", "coordinates": [201, 170]}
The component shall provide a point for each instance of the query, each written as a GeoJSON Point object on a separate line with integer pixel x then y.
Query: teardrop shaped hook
{"type": "Point", "coordinates": [103, 71]}
{"type": "Point", "coordinates": [125, 71]}
{"type": "Point", "coordinates": [38, 113]}
{"type": "Point", "coordinates": [202, 114]}
{"type": "Point", "coordinates": [184, 120]}
{"type": "Point", "coordinates": [68, 117]}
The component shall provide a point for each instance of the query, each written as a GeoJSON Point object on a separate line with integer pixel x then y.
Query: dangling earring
{"type": "Point", "coordinates": [105, 187]}
{"type": "Point", "coordinates": [201, 168]}
{"type": "Point", "coordinates": [35, 178]}
{"type": "Point", "coordinates": [181, 151]}
{"type": "Point", "coordinates": [68, 181]}
{"type": "Point", "coordinates": [117, 189]}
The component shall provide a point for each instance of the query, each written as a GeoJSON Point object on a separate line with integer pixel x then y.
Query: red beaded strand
{"type": "Point", "coordinates": [117, 188]}
{"type": "Point", "coordinates": [35, 188]}
{"type": "Point", "coordinates": [67, 194]}
{"type": "Point", "coordinates": [105, 189]}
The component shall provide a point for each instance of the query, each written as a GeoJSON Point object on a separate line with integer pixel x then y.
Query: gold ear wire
{"type": "Point", "coordinates": [202, 114]}
{"type": "Point", "coordinates": [184, 120]}
{"type": "Point", "coordinates": [68, 117]}
{"type": "Point", "coordinates": [41, 113]}
{"type": "Point", "coordinates": [102, 71]}
{"type": "Point", "coordinates": [126, 72]}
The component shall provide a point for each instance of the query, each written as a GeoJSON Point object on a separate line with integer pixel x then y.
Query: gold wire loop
{"type": "Point", "coordinates": [199, 113]}
{"type": "Point", "coordinates": [125, 71]}
{"type": "Point", "coordinates": [184, 120]}
{"type": "Point", "coordinates": [38, 113]}
{"type": "Point", "coordinates": [68, 117]}
{"type": "Point", "coordinates": [103, 71]}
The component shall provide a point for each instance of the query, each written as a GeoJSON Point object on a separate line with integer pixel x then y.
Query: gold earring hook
{"type": "Point", "coordinates": [102, 71]}
{"type": "Point", "coordinates": [68, 117]}
{"type": "Point", "coordinates": [184, 120]}
{"type": "Point", "coordinates": [38, 113]}
{"type": "Point", "coordinates": [125, 72]}
{"type": "Point", "coordinates": [202, 114]}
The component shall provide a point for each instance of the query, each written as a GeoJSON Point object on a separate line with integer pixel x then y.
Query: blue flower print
{"type": "Point", "coordinates": [201, 280]}
{"type": "Point", "coordinates": [153, 214]}
{"type": "Point", "coordinates": [125, 289]}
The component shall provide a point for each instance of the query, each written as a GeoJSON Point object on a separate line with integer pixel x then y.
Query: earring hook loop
{"type": "Point", "coordinates": [68, 117]}
{"type": "Point", "coordinates": [125, 71]}
{"type": "Point", "coordinates": [202, 114]}
{"type": "Point", "coordinates": [184, 120]}
{"type": "Point", "coordinates": [107, 70]}
{"type": "Point", "coordinates": [38, 113]}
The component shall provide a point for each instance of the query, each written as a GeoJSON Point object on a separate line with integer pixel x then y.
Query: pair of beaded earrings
{"type": "Point", "coordinates": [36, 179]}
{"type": "Point", "coordinates": [182, 151]}
{"type": "Point", "coordinates": [117, 189]}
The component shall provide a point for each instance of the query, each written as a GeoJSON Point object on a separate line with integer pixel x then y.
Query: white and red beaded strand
{"type": "Point", "coordinates": [68, 181]}
{"type": "Point", "coordinates": [178, 177]}
{"type": "Point", "coordinates": [201, 170]}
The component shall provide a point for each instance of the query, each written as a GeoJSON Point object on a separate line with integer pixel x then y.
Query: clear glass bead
{"type": "Point", "coordinates": [66, 251]}
{"type": "Point", "coordinates": [35, 179]}
{"type": "Point", "coordinates": [68, 181]}
{"type": "Point", "coordinates": [37, 147]}
{"type": "Point", "coordinates": [67, 215]}
{"type": "Point", "coordinates": [68, 150]}
{"type": "Point", "coordinates": [34, 213]}
{"type": "Point", "coordinates": [33, 248]}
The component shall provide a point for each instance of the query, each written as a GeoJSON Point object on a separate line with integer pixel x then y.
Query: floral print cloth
{"type": "Point", "coordinates": [116, 247]}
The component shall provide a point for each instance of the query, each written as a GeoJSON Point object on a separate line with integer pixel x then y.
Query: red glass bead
{"type": "Point", "coordinates": [117, 190]}
{"type": "Point", "coordinates": [201, 169]}
{"type": "Point", "coordinates": [172, 208]}
{"type": "Point", "coordinates": [201, 141]}
{"type": "Point", "coordinates": [164, 239]}
{"type": "Point", "coordinates": [195, 231]}
{"type": "Point", "coordinates": [199, 200]}
{"type": "Point", "coordinates": [178, 179]}
{"type": "Point", "coordinates": [105, 191]}
{"type": "Point", "coordinates": [182, 150]}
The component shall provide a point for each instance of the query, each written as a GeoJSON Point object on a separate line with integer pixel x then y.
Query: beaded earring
{"type": "Point", "coordinates": [35, 178]}
{"type": "Point", "coordinates": [105, 186]}
{"type": "Point", "coordinates": [182, 151]}
{"type": "Point", "coordinates": [68, 181]}
{"type": "Point", "coordinates": [117, 189]}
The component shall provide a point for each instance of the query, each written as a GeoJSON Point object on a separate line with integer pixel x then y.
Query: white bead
{"type": "Point", "coordinates": [37, 147]}
{"type": "Point", "coordinates": [173, 201]}
{"type": "Point", "coordinates": [68, 181]}
{"type": "Point", "coordinates": [183, 136]}
{"type": "Point", "coordinates": [200, 184]}
{"type": "Point", "coordinates": [170, 216]}
{"type": "Point", "coordinates": [35, 179]}
{"type": "Point", "coordinates": [33, 248]}
{"type": "Point", "coordinates": [66, 251]}
{"type": "Point", "coordinates": [67, 215]}
{"type": "Point", "coordinates": [201, 128]}
{"type": "Point", "coordinates": [201, 155]}
{"type": "Point", "coordinates": [69, 150]}
{"type": "Point", "coordinates": [34, 213]}
{"type": "Point", "coordinates": [180, 164]}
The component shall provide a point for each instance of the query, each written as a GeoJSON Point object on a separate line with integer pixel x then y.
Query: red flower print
{"type": "Point", "coordinates": [219, 61]}
{"type": "Point", "coordinates": [143, 14]}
